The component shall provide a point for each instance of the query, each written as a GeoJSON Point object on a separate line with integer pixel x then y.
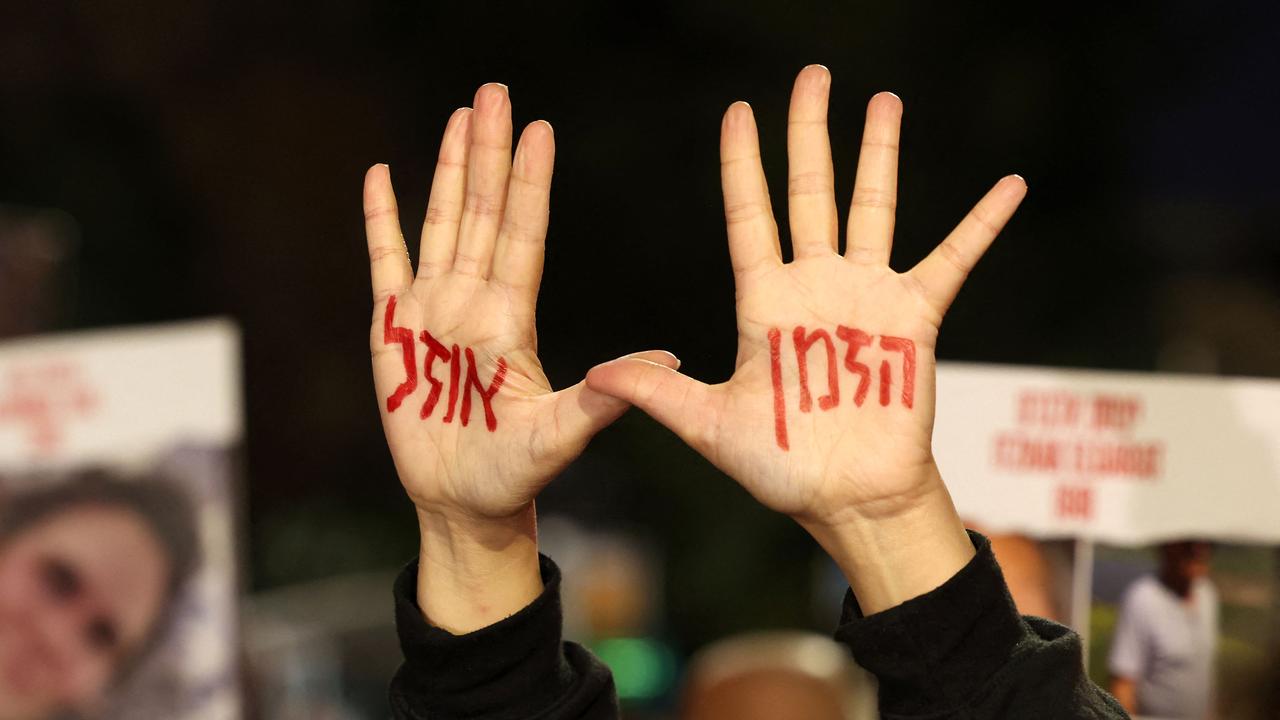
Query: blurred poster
{"type": "Point", "coordinates": [1119, 457]}
{"type": "Point", "coordinates": [117, 562]}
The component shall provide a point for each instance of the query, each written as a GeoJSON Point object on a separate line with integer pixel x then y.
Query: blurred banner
{"type": "Point", "coordinates": [118, 573]}
{"type": "Point", "coordinates": [1117, 457]}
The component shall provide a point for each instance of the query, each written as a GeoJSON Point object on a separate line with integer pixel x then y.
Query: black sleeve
{"type": "Point", "coordinates": [515, 668]}
{"type": "Point", "coordinates": [962, 651]}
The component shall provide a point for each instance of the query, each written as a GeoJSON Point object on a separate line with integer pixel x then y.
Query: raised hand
{"type": "Point", "coordinates": [828, 416]}
{"type": "Point", "coordinates": [473, 425]}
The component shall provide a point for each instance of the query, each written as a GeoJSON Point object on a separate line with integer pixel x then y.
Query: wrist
{"type": "Point", "coordinates": [891, 557]}
{"type": "Point", "coordinates": [474, 571]}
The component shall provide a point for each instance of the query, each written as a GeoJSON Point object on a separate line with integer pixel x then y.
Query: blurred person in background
{"type": "Point", "coordinates": [1166, 638]}
{"type": "Point", "coordinates": [88, 570]}
{"type": "Point", "coordinates": [777, 676]}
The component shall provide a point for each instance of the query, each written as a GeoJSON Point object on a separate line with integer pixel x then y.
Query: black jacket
{"type": "Point", "coordinates": [960, 651]}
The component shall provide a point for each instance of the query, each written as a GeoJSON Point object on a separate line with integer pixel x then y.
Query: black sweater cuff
{"type": "Point", "coordinates": [515, 668]}
{"type": "Point", "coordinates": [933, 652]}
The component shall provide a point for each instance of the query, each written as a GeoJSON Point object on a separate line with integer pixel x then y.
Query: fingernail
{"type": "Point", "coordinates": [671, 355]}
{"type": "Point", "coordinates": [490, 95]}
{"type": "Point", "coordinates": [457, 122]}
{"type": "Point", "coordinates": [738, 112]}
{"type": "Point", "coordinates": [826, 72]}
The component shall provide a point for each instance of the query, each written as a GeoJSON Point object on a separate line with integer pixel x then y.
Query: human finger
{"type": "Point", "coordinates": [517, 263]}
{"type": "Point", "coordinates": [444, 207]}
{"type": "Point", "coordinates": [753, 233]}
{"type": "Point", "coordinates": [810, 180]}
{"type": "Point", "coordinates": [388, 257]}
{"type": "Point", "coordinates": [944, 270]}
{"type": "Point", "coordinates": [875, 188]}
{"type": "Point", "coordinates": [675, 400]}
{"type": "Point", "coordinates": [488, 167]}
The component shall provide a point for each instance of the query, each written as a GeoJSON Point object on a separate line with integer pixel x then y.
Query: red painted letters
{"type": "Point", "coordinates": [885, 381]}
{"type": "Point", "coordinates": [486, 396]}
{"type": "Point", "coordinates": [779, 401]}
{"type": "Point", "coordinates": [436, 350]}
{"type": "Point", "coordinates": [803, 343]}
{"type": "Point", "coordinates": [403, 337]}
{"type": "Point", "coordinates": [455, 373]}
{"type": "Point", "coordinates": [908, 350]}
{"type": "Point", "coordinates": [855, 340]}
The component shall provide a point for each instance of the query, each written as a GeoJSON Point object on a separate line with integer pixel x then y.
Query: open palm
{"type": "Point", "coordinates": [472, 422]}
{"type": "Point", "coordinates": [830, 407]}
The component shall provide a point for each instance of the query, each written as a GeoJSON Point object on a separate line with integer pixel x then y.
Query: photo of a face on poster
{"type": "Point", "coordinates": [117, 563]}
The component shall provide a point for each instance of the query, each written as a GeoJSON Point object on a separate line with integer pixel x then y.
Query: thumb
{"type": "Point", "coordinates": [581, 411]}
{"type": "Point", "coordinates": [677, 401]}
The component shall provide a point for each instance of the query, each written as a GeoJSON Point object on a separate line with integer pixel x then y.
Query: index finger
{"type": "Point", "coordinates": [388, 256]}
{"type": "Point", "coordinates": [753, 233]}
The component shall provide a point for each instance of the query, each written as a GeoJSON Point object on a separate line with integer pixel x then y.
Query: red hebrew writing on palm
{"type": "Point", "coordinates": [402, 336]}
{"type": "Point", "coordinates": [804, 340]}
{"type": "Point", "coordinates": [436, 350]}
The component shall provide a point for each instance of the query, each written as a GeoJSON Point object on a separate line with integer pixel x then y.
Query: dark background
{"type": "Point", "coordinates": [211, 155]}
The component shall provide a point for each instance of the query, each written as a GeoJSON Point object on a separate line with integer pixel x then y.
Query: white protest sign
{"type": "Point", "coordinates": [1117, 457]}
{"type": "Point", "coordinates": [118, 396]}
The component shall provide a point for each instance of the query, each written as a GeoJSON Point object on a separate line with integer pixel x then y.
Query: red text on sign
{"type": "Point", "coordinates": [44, 400]}
{"type": "Point", "coordinates": [1114, 412]}
{"type": "Point", "coordinates": [1074, 503]}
